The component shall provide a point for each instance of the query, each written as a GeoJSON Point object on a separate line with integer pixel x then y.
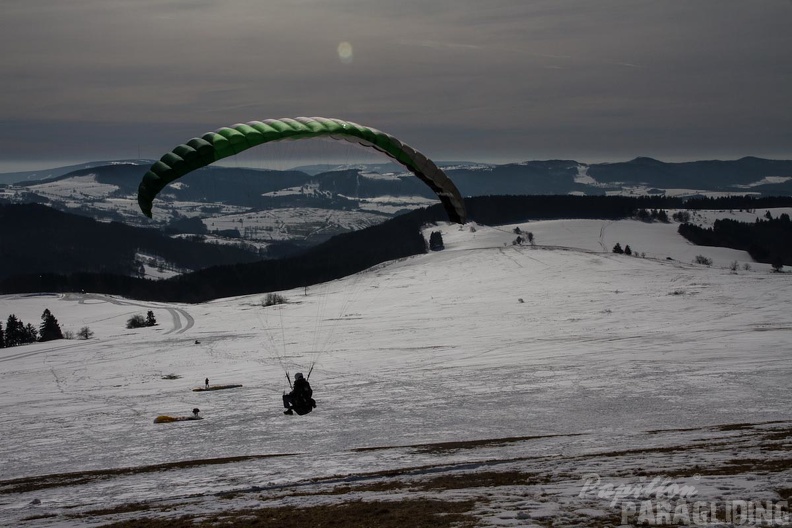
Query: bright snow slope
{"type": "Point", "coordinates": [482, 340]}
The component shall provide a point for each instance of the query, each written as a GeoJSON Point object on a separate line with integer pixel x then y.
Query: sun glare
{"type": "Point", "coordinates": [345, 52]}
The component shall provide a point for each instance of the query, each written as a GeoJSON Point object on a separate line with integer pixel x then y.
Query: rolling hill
{"type": "Point", "coordinates": [266, 207]}
{"type": "Point", "coordinates": [487, 383]}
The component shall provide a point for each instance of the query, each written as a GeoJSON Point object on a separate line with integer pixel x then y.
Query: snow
{"type": "Point", "coordinates": [584, 177]}
{"type": "Point", "coordinates": [768, 180]}
{"type": "Point", "coordinates": [570, 359]}
{"type": "Point", "coordinates": [81, 186]}
{"type": "Point", "coordinates": [154, 267]}
{"type": "Point", "coordinates": [290, 223]}
{"type": "Point", "coordinates": [467, 166]}
{"type": "Point", "coordinates": [393, 204]}
{"type": "Point", "coordinates": [705, 218]}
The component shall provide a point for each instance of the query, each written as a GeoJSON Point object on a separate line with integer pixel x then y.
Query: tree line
{"type": "Point", "coordinates": [768, 240]}
{"type": "Point", "coordinates": [37, 238]}
{"type": "Point", "coordinates": [18, 333]}
{"type": "Point", "coordinates": [353, 252]}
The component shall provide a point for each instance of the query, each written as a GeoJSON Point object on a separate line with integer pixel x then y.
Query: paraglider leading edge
{"type": "Point", "coordinates": [228, 141]}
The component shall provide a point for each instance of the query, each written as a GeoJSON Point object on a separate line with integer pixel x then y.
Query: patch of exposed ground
{"type": "Point", "coordinates": [512, 490]}
{"type": "Point", "coordinates": [25, 484]}
{"type": "Point", "coordinates": [358, 514]}
{"type": "Point", "coordinates": [465, 444]}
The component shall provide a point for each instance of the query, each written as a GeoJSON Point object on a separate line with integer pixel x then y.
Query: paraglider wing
{"type": "Point", "coordinates": [228, 141]}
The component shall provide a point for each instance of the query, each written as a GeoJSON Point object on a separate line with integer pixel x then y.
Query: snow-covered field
{"type": "Point", "coordinates": [291, 223]}
{"type": "Point", "coordinates": [569, 369]}
{"type": "Point", "coordinates": [286, 223]}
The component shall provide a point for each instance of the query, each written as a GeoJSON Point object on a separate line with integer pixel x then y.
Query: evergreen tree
{"type": "Point", "coordinates": [150, 320]}
{"type": "Point", "coordinates": [14, 332]}
{"type": "Point", "coordinates": [50, 329]}
{"type": "Point", "coordinates": [2, 336]}
{"type": "Point", "coordinates": [627, 250]}
{"type": "Point", "coordinates": [29, 334]}
{"type": "Point", "coordinates": [617, 248]}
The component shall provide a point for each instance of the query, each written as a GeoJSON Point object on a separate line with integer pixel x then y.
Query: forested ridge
{"type": "Point", "coordinates": [353, 252]}
{"type": "Point", "coordinates": [40, 239]}
{"type": "Point", "coordinates": [766, 240]}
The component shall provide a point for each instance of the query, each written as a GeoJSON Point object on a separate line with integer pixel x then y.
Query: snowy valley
{"type": "Point", "coordinates": [506, 385]}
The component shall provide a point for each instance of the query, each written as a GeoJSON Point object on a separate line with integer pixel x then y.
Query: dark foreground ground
{"type": "Point", "coordinates": [734, 472]}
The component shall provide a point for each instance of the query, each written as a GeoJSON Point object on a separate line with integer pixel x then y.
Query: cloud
{"type": "Point", "coordinates": [538, 79]}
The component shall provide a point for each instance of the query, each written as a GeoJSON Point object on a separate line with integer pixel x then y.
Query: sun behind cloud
{"type": "Point", "coordinates": [345, 52]}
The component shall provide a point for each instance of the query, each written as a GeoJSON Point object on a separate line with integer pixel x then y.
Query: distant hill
{"type": "Point", "coordinates": [8, 178]}
{"type": "Point", "coordinates": [742, 175]}
{"type": "Point", "coordinates": [38, 239]}
{"type": "Point", "coordinates": [533, 177]}
{"type": "Point", "coordinates": [338, 257]}
{"type": "Point", "coordinates": [278, 211]}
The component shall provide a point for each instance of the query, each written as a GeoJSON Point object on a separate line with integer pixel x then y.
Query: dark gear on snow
{"type": "Point", "coordinates": [299, 400]}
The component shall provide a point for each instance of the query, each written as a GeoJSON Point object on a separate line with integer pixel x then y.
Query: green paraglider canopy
{"type": "Point", "coordinates": [228, 141]}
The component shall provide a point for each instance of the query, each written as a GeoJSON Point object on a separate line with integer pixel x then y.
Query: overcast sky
{"type": "Point", "coordinates": [494, 80]}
